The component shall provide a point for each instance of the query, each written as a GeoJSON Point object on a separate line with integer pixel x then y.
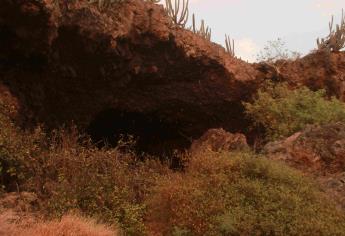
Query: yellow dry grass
{"type": "Point", "coordinates": [69, 225]}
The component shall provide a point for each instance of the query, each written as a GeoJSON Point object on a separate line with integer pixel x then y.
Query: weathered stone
{"type": "Point", "coordinates": [317, 149]}
{"type": "Point", "coordinates": [217, 140]}
{"type": "Point", "coordinates": [118, 70]}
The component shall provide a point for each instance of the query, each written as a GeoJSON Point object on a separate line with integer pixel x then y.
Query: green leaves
{"type": "Point", "coordinates": [282, 111]}
{"type": "Point", "coordinates": [240, 194]}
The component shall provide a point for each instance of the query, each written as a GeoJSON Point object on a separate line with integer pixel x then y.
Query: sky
{"type": "Point", "coordinates": [252, 23]}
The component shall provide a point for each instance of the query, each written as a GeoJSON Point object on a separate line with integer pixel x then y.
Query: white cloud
{"type": "Point", "coordinates": [247, 49]}
{"type": "Point", "coordinates": [329, 7]}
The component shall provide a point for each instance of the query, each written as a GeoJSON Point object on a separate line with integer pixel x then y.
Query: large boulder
{"type": "Point", "coordinates": [318, 151]}
{"type": "Point", "coordinates": [218, 140]}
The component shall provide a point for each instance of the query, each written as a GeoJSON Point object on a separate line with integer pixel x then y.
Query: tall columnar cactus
{"type": "Point", "coordinates": [335, 41]}
{"type": "Point", "coordinates": [179, 14]}
{"type": "Point", "coordinates": [230, 46]}
{"type": "Point", "coordinates": [204, 32]}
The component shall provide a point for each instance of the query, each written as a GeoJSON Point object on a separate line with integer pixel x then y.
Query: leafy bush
{"type": "Point", "coordinates": [282, 111]}
{"type": "Point", "coordinates": [239, 194]}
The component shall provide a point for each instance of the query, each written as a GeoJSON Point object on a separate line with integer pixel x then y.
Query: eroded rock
{"type": "Point", "coordinates": [319, 151]}
{"type": "Point", "coordinates": [75, 63]}
{"type": "Point", "coordinates": [217, 140]}
{"type": "Point", "coordinates": [317, 70]}
{"type": "Point", "coordinates": [114, 71]}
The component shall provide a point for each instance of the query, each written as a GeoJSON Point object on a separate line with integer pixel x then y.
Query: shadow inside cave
{"type": "Point", "coordinates": [152, 135]}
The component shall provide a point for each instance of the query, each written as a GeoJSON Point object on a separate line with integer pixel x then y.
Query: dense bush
{"type": "Point", "coordinates": [69, 175]}
{"type": "Point", "coordinates": [17, 149]}
{"type": "Point", "coordinates": [105, 184]}
{"type": "Point", "coordinates": [282, 111]}
{"type": "Point", "coordinates": [238, 194]}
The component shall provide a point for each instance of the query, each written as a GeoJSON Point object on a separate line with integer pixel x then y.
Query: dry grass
{"type": "Point", "coordinates": [69, 225]}
{"type": "Point", "coordinates": [5, 223]}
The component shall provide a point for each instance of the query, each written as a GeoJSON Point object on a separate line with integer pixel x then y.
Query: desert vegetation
{"type": "Point", "coordinates": [204, 31]}
{"type": "Point", "coordinates": [283, 111]}
{"type": "Point", "coordinates": [226, 193]}
{"type": "Point", "coordinates": [230, 46]}
{"type": "Point", "coordinates": [276, 50]}
{"type": "Point", "coordinates": [335, 41]}
{"type": "Point", "coordinates": [68, 225]}
{"type": "Point", "coordinates": [55, 179]}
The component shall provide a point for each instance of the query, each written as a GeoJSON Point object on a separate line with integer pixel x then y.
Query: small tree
{"type": "Point", "coordinates": [276, 50]}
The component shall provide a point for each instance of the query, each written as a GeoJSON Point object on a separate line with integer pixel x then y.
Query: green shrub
{"type": "Point", "coordinates": [282, 111]}
{"type": "Point", "coordinates": [239, 194]}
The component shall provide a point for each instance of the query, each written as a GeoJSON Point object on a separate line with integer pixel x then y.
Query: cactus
{"type": "Point", "coordinates": [335, 41]}
{"type": "Point", "coordinates": [204, 32]}
{"type": "Point", "coordinates": [178, 14]}
{"type": "Point", "coordinates": [230, 46]}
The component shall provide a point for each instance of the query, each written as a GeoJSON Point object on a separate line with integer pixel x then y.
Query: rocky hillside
{"type": "Point", "coordinates": [128, 67]}
{"type": "Point", "coordinates": [238, 148]}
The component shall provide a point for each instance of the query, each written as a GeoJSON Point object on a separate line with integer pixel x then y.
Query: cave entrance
{"type": "Point", "coordinates": [153, 136]}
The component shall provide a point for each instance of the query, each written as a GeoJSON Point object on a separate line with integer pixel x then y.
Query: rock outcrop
{"type": "Point", "coordinates": [317, 70]}
{"type": "Point", "coordinates": [318, 151]}
{"type": "Point", "coordinates": [124, 70]}
{"type": "Point", "coordinates": [129, 70]}
{"type": "Point", "coordinates": [218, 140]}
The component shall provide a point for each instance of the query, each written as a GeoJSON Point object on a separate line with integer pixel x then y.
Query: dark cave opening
{"type": "Point", "coordinates": [152, 135]}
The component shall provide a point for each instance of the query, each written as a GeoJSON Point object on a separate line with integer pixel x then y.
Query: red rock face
{"type": "Point", "coordinates": [79, 64]}
{"type": "Point", "coordinates": [317, 149]}
{"type": "Point", "coordinates": [127, 67]}
{"type": "Point", "coordinates": [318, 70]}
